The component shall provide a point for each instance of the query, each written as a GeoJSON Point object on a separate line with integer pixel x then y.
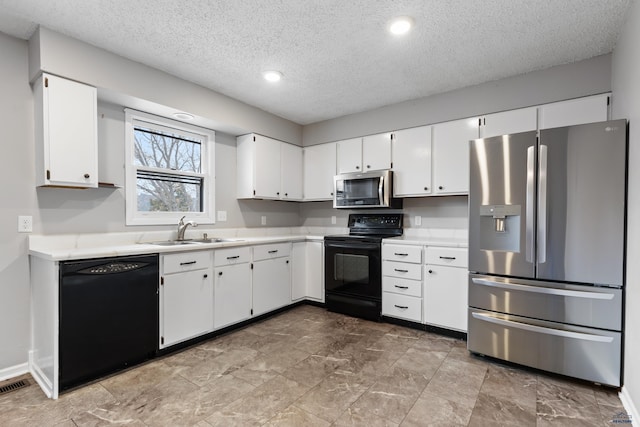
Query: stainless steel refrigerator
{"type": "Point", "coordinates": [547, 249]}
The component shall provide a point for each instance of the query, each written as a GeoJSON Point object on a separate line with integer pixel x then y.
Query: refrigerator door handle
{"type": "Point", "coordinates": [543, 290]}
{"type": "Point", "coordinates": [542, 205]}
{"type": "Point", "coordinates": [541, 329]}
{"type": "Point", "coordinates": [530, 203]}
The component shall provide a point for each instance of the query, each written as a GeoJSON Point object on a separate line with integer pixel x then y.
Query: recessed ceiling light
{"type": "Point", "coordinates": [401, 25]}
{"type": "Point", "coordinates": [272, 76]}
{"type": "Point", "coordinates": [183, 116]}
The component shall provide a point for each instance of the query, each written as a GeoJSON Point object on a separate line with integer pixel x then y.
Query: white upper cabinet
{"type": "Point", "coordinates": [349, 155]}
{"type": "Point", "coordinates": [451, 155]}
{"type": "Point", "coordinates": [291, 172]}
{"type": "Point", "coordinates": [319, 168]}
{"type": "Point", "coordinates": [370, 153]}
{"type": "Point", "coordinates": [66, 133]}
{"type": "Point", "coordinates": [514, 121]}
{"type": "Point", "coordinates": [376, 152]}
{"type": "Point", "coordinates": [574, 112]}
{"type": "Point", "coordinates": [411, 155]}
{"type": "Point", "coordinates": [263, 164]}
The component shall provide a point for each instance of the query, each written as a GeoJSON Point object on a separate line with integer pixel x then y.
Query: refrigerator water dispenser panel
{"type": "Point", "coordinates": [500, 227]}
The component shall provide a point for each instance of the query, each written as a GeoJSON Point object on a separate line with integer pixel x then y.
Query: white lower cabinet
{"type": "Point", "coordinates": [402, 282]}
{"type": "Point", "coordinates": [307, 278]}
{"type": "Point", "coordinates": [271, 277]}
{"type": "Point", "coordinates": [445, 288]}
{"type": "Point", "coordinates": [232, 290]}
{"type": "Point", "coordinates": [186, 296]}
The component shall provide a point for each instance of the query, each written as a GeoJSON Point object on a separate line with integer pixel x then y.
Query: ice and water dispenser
{"type": "Point", "coordinates": [500, 227]}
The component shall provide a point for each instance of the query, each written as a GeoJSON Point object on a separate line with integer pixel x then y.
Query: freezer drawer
{"type": "Point", "coordinates": [587, 306]}
{"type": "Point", "coordinates": [589, 354]}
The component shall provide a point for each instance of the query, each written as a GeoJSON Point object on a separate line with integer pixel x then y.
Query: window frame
{"type": "Point", "coordinates": [207, 159]}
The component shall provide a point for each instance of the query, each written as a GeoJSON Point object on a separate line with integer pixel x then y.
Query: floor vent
{"type": "Point", "coordinates": [16, 385]}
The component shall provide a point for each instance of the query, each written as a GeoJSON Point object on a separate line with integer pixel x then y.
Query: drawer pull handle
{"type": "Point", "coordinates": [448, 257]}
{"type": "Point", "coordinates": [403, 307]}
{"type": "Point", "coordinates": [399, 254]}
{"type": "Point", "coordinates": [400, 271]}
{"type": "Point", "coordinates": [401, 287]}
{"type": "Point", "coordinates": [188, 263]}
{"type": "Point", "coordinates": [273, 251]}
{"type": "Point", "coordinates": [233, 257]}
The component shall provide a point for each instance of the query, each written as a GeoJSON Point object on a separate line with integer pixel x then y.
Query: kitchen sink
{"type": "Point", "coordinates": [191, 241]}
{"type": "Point", "coordinates": [172, 242]}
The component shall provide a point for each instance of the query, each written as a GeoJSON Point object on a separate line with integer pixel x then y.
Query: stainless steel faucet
{"type": "Point", "coordinates": [182, 227]}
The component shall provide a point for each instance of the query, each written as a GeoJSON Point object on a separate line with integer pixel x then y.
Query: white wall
{"type": "Point", "coordinates": [626, 104]}
{"type": "Point", "coordinates": [17, 175]}
{"type": "Point", "coordinates": [588, 77]}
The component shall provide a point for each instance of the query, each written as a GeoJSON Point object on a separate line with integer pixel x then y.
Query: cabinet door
{"type": "Point", "coordinates": [70, 132]}
{"type": "Point", "coordinates": [232, 295]}
{"type": "Point", "coordinates": [319, 170]}
{"type": "Point", "coordinates": [291, 172]}
{"type": "Point", "coordinates": [411, 155]}
{"type": "Point", "coordinates": [376, 152]}
{"type": "Point", "coordinates": [267, 167]}
{"type": "Point", "coordinates": [574, 112]}
{"type": "Point", "coordinates": [299, 271]}
{"type": "Point", "coordinates": [349, 155]}
{"type": "Point", "coordinates": [451, 155]}
{"type": "Point", "coordinates": [514, 121]}
{"type": "Point", "coordinates": [445, 297]}
{"type": "Point", "coordinates": [187, 306]}
{"type": "Point", "coordinates": [271, 285]}
{"type": "Point", "coordinates": [315, 271]}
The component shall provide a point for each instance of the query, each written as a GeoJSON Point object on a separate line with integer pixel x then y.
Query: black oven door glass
{"type": "Point", "coordinates": [353, 269]}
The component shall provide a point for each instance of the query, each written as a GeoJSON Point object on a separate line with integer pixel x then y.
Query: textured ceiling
{"type": "Point", "coordinates": [336, 55]}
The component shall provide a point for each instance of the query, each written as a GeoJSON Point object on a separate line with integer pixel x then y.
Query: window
{"type": "Point", "coordinates": [169, 172]}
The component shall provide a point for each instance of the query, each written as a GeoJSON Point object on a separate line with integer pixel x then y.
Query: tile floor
{"type": "Point", "coordinates": [309, 367]}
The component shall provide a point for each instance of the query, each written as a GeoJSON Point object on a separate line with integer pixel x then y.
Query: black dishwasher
{"type": "Point", "coordinates": [108, 316]}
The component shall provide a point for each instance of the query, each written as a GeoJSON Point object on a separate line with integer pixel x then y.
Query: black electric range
{"type": "Point", "coordinates": [353, 264]}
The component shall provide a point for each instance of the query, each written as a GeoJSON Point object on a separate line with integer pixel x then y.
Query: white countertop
{"type": "Point", "coordinates": [102, 245]}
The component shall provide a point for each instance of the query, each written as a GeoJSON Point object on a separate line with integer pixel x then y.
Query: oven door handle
{"type": "Point", "coordinates": [367, 246]}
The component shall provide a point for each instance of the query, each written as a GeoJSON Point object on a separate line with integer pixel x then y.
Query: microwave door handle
{"type": "Point", "coordinates": [380, 191]}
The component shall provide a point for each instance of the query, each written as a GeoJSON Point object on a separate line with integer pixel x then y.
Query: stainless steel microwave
{"type": "Point", "coordinates": [364, 190]}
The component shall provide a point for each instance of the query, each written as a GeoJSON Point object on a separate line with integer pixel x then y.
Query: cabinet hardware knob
{"type": "Point", "coordinates": [332, 194]}
{"type": "Point", "coordinates": [426, 188]}
{"type": "Point", "coordinates": [287, 261]}
{"type": "Point", "coordinates": [205, 276]}
{"type": "Point", "coordinates": [86, 175]}
{"type": "Point", "coordinates": [286, 194]}
{"type": "Point", "coordinates": [278, 193]}
{"type": "Point", "coordinates": [368, 166]}
{"type": "Point", "coordinates": [219, 273]}
{"type": "Point", "coordinates": [357, 167]}
{"type": "Point", "coordinates": [430, 271]}
{"type": "Point", "coordinates": [440, 187]}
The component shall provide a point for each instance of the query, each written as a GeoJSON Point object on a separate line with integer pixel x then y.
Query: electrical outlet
{"type": "Point", "coordinates": [222, 215]}
{"type": "Point", "coordinates": [263, 220]}
{"type": "Point", "coordinates": [417, 220]}
{"type": "Point", "coordinates": [25, 224]}
{"type": "Point", "coordinates": [333, 219]}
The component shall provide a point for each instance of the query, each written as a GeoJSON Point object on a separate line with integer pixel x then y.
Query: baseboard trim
{"type": "Point", "coordinates": [14, 371]}
{"type": "Point", "coordinates": [629, 406]}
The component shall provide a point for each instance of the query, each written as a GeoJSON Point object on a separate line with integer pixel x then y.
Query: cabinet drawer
{"type": "Point", "coordinates": [402, 253]}
{"type": "Point", "coordinates": [185, 261]}
{"type": "Point", "coordinates": [402, 286]}
{"type": "Point", "coordinates": [402, 306]}
{"type": "Point", "coordinates": [231, 256]}
{"type": "Point", "coordinates": [402, 270]}
{"type": "Point", "coordinates": [275, 250]}
{"type": "Point", "coordinates": [455, 257]}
